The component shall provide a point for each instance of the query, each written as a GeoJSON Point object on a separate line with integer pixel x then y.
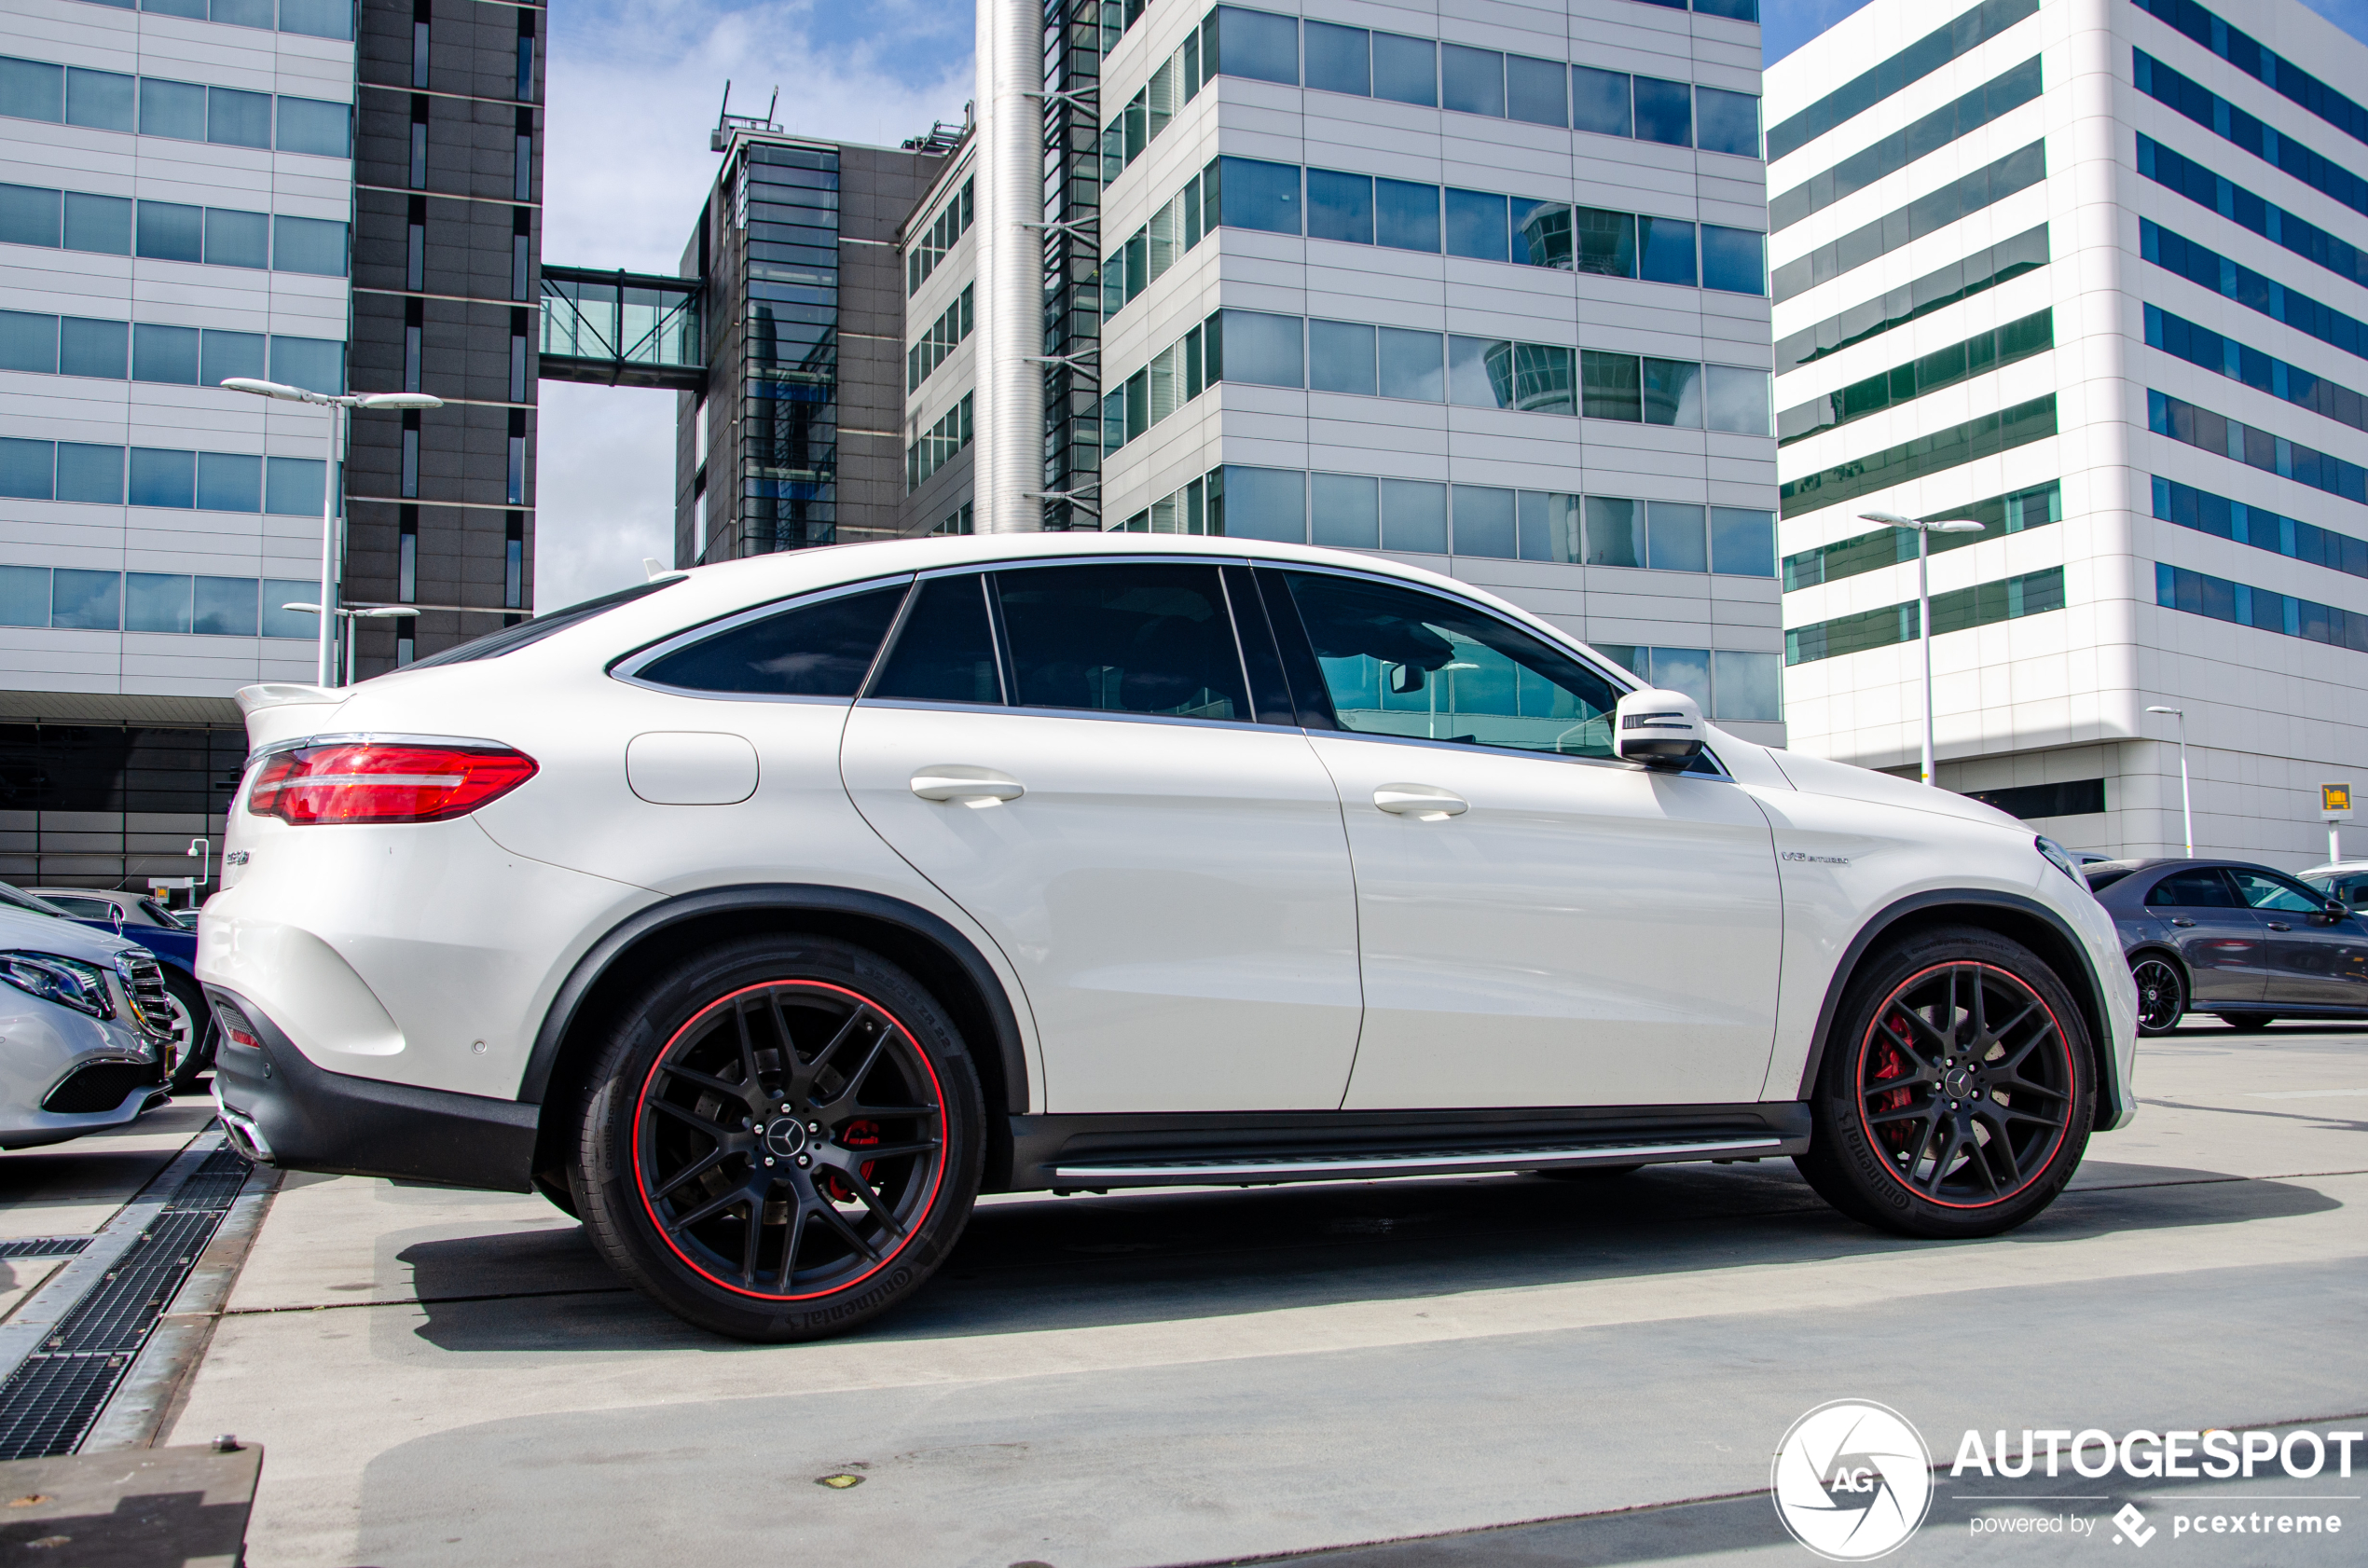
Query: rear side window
{"type": "Point", "coordinates": [807, 650]}
{"type": "Point", "coordinates": [1151, 637]}
{"type": "Point", "coordinates": [2204, 889]}
{"type": "Point", "coordinates": [946, 650]}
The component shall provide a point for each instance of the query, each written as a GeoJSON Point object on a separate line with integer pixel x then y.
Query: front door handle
{"type": "Point", "coordinates": [2279, 925]}
{"type": "Point", "coordinates": [971, 786]}
{"type": "Point", "coordinates": [2176, 920]}
{"type": "Point", "coordinates": [1425, 803]}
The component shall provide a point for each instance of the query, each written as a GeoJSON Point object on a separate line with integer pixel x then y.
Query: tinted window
{"type": "Point", "coordinates": [1396, 661]}
{"type": "Point", "coordinates": [2276, 894]}
{"type": "Point", "coordinates": [946, 652]}
{"type": "Point", "coordinates": [812, 650]}
{"type": "Point", "coordinates": [2203, 889]}
{"type": "Point", "coordinates": [1151, 638]}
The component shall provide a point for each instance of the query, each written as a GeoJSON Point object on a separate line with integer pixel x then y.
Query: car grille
{"type": "Point", "coordinates": [151, 1002]}
{"type": "Point", "coordinates": [100, 1086]}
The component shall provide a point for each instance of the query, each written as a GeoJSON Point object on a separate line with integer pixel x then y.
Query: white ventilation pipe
{"type": "Point", "coordinates": [1008, 409]}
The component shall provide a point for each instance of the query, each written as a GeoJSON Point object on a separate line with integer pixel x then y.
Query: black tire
{"type": "Point", "coordinates": [1986, 1120]}
{"type": "Point", "coordinates": [2247, 1023]}
{"type": "Point", "coordinates": [762, 1226]}
{"type": "Point", "coordinates": [556, 1190]}
{"type": "Point", "coordinates": [193, 1054]}
{"type": "Point", "coordinates": [1587, 1172]}
{"type": "Point", "coordinates": [2162, 993]}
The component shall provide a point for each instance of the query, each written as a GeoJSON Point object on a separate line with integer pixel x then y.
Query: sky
{"type": "Point", "coordinates": [633, 88]}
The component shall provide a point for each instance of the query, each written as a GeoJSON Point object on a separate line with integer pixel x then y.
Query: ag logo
{"type": "Point", "coordinates": [1851, 1481]}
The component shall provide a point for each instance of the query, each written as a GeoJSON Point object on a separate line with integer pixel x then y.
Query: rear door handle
{"type": "Point", "coordinates": [2177, 921]}
{"type": "Point", "coordinates": [2278, 926]}
{"type": "Point", "coordinates": [970, 786]}
{"type": "Point", "coordinates": [1425, 803]}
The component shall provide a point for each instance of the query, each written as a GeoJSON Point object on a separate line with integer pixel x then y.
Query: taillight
{"type": "Point", "coordinates": [361, 781]}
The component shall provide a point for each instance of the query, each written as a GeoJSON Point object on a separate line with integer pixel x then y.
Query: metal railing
{"type": "Point", "coordinates": [621, 328]}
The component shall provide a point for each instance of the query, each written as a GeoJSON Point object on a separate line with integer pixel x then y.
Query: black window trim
{"type": "Point", "coordinates": [628, 667]}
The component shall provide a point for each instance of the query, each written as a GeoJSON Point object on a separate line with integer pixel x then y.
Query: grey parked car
{"type": "Point", "coordinates": [2241, 941]}
{"type": "Point", "coordinates": [85, 1030]}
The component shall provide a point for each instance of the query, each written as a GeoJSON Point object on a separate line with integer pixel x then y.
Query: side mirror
{"type": "Point", "coordinates": [1405, 678]}
{"type": "Point", "coordinates": [1659, 729]}
{"type": "Point", "coordinates": [2335, 910]}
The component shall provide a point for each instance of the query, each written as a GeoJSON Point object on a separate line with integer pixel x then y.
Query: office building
{"type": "Point", "coordinates": [188, 192]}
{"type": "Point", "coordinates": [1480, 287]}
{"type": "Point", "coordinates": [2090, 274]}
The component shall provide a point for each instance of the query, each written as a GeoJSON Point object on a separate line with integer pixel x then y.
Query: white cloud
{"type": "Point", "coordinates": [633, 90]}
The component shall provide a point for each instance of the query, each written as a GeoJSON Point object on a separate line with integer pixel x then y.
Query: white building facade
{"type": "Point", "coordinates": [1478, 286]}
{"type": "Point", "coordinates": [2094, 273]}
{"type": "Point", "coordinates": [176, 190]}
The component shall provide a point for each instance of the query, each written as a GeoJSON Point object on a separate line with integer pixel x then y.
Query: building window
{"type": "Point", "coordinates": [419, 142]}
{"type": "Point", "coordinates": [514, 550]}
{"type": "Point", "coordinates": [518, 457]}
{"type": "Point", "coordinates": [407, 557]}
{"type": "Point", "coordinates": [414, 329]}
{"type": "Point", "coordinates": [420, 12]}
{"type": "Point", "coordinates": [517, 355]}
{"type": "Point", "coordinates": [411, 453]}
{"type": "Point", "coordinates": [520, 233]}
{"type": "Point", "coordinates": [526, 54]}
{"type": "Point", "coordinates": [415, 247]}
{"type": "Point", "coordinates": [523, 167]}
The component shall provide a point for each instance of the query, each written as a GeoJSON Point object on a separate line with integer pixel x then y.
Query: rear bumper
{"type": "Point", "coordinates": [286, 1111]}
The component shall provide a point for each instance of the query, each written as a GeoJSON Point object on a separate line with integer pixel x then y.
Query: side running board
{"type": "Point", "coordinates": [1217, 1170]}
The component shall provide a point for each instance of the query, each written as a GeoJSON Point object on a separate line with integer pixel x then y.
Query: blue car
{"type": "Point", "coordinates": [147, 923]}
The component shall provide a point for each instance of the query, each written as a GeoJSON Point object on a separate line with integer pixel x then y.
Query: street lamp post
{"type": "Point", "coordinates": [2186, 808]}
{"type": "Point", "coordinates": [376, 613]}
{"type": "Point", "coordinates": [339, 407]}
{"type": "Point", "coordinates": [1924, 529]}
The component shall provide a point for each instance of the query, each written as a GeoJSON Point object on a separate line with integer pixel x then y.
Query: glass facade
{"type": "Point", "coordinates": [2199, 264]}
{"type": "Point", "coordinates": [1984, 604]}
{"type": "Point", "coordinates": [2246, 210]}
{"type": "Point", "coordinates": [1928, 214]}
{"type": "Point", "coordinates": [2255, 447]}
{"type": "Point", "coordinates": [785, 202]}
{"type": "Point", "coordinates": [2010, 90]}
{"type": "Point", "coordinates": [1961, 34]}
{"type": "Point", "coordinates": [1977, 355]}
{"type": "Point", "coordinates": [1942, 449]}
{"type": "Point", "coordinates": [1999, 514]}
{"type": "Point", "coordinates": [2185, 506]}
{"type": "Point", "coordinates": [2198, 593]}
{"type": "Point", "coordinates": [2224, 355]}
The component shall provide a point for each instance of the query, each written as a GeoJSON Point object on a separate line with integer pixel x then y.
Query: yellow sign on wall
{"type": "Point", "coordinates": [2334, 802]}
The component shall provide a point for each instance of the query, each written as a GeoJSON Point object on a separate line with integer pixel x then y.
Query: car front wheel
{"type": "Point", "coordinates": [2162, 994]}
{"type": "Point", "coordinates": [782, 1140]}
{"type": "Point", "coordinates": [1957, 1091]}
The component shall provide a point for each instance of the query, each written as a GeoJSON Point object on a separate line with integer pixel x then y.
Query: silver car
{"type": "Point", "coordinates": [85, 1027]}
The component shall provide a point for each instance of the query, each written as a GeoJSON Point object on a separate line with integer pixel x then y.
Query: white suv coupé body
{"type": "Point", "coordinates": [765, 915]}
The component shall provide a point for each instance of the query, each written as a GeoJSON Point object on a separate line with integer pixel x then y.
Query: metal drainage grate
{"type": "Point", "coordinates": [44, 1246]}
{"type": "Point", "coordinates": [48, 1405]}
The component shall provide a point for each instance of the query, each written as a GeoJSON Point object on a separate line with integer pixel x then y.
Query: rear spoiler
{"type": "Point", "coordinates": [278, 710]}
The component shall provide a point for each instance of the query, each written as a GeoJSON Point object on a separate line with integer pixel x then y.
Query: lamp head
{"type": "Point", "coordinates": [261, 388]}
{"type": "Point", "coordinates": [397, 399]}
{"type": "Point", "coordinates": [309, 608]}
{"type": "Point", "coordinates": [1892, 519]}
{"type": "Point", "coordinates": [1957, 525]}
{"type": "Point", "coordinates": [2181, 712]}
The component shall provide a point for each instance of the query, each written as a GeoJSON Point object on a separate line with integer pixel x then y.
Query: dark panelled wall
{"type": "Point", "coordinates": [448, 242]}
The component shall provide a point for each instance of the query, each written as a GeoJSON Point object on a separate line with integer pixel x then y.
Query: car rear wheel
{"type": "Point", "coordinates": [781, 1140]}
{"type": "Point", "coordinates": [2162, 994]}
{"type": "Point", "coordinates": [1956, 1090]}
{"type": "Point", "coordinates": [2247, 1023]}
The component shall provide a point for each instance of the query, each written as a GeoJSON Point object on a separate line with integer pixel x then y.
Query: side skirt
{"type": "Point", "coordinates": [1068, 1153]}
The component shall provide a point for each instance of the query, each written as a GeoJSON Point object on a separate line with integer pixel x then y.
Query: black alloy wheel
{"type": "Point", "coordinates": [2247, 1023]}
{"type": "Point", "coordinates": [793, 1153]}
{"type": "Point", "coordinates": [2162, 994]}
{"type": "Point", "coordinates": [1961, 1097]}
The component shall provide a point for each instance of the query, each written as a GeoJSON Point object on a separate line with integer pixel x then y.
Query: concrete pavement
{"type": "Point", "coordinates": [453, 1378]}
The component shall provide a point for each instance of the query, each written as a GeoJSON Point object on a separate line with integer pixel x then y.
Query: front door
{"type": "Point", "coordinates": [1541, 924]}
{"type": "Point", "coordinates": [1169, 879]}
{"type": "Point", "coordinates": [2217, 934]}
{"type": "Point", "coordinates": [2308, 961]}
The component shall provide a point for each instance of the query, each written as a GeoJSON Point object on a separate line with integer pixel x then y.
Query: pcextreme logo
{"type": "Point", "coordinates": [1851, 1481]}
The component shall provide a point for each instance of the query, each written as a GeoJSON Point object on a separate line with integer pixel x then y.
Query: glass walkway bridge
{"type": "Point", "coordinates": [620, 329]}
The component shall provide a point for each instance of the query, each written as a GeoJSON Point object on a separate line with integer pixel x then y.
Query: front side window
{"type": "Point", "coordinates": [809, 650]}
{"type": "Point", "coordinates": [2275, 894]}
{"type": "Point", "coordinates": [1399, 662]}
{"type": "Point", "coordinates": [1152, 638]}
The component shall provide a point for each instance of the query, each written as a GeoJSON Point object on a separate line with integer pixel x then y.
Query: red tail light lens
{"type": "Point", "coordinates": [384, 782]}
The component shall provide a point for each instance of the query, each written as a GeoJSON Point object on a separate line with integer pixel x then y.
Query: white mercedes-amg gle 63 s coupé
{"type": "Point", "coordinates": [766, 915]}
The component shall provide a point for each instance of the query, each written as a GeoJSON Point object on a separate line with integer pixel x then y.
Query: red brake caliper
{"type": "Point", "coordinates": [859, 1133]}
{"type": "Point", "coordinates": [1891, 1063]}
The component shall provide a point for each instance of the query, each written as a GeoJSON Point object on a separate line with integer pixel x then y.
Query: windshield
{"type": "Point", "coordinates": [17, 898]}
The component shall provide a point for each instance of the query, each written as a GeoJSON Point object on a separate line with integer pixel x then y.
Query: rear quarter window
{"type": "Point", "coordinates": [812, 649]}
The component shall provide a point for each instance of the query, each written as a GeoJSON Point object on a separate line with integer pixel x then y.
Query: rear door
{"type": "Point", "coordinates": [2217, 934]}
{"type": "Point", "coordinates": [1070, 752]}
{"type": "Point", "coordinates": [2308, 961]}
